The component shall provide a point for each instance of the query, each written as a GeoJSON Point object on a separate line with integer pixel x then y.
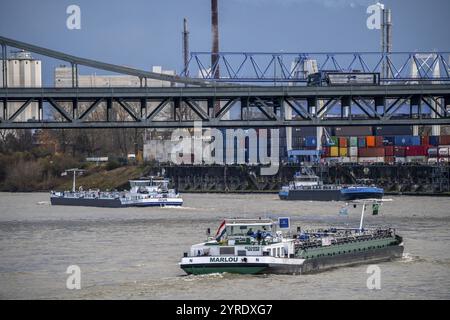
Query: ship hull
{"type": "Point", "coordinates": [332, 195]}
{"type": "Point", "coordinates": [361, 193]}
{"type": "Point", "coordinates": [104, 203]}
{"type": "Point", "coordinates": [291, 265]}
{"type": "Point", "coordinates": [311, 195]}
{"type": "Point", "coordinates": [113, 203]}
{"type": "Point", "coordinates": [349, 259]}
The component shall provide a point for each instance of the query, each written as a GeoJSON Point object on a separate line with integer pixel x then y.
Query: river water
{"type": "Point", "coordinates": [133, 253]}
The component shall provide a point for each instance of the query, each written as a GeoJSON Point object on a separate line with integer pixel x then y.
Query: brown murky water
{"type": "Point", "coordinates": [133, 253]}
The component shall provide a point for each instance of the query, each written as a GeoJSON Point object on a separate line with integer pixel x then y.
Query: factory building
{"type": "Point", "coordinates": [153, 149]}
{"type": "Point", "coordinates": [63, 78]}
{"type": "Point", "coordinates": [23, 71]}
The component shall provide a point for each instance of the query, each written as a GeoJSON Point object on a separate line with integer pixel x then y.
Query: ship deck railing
{"type": "Point", "coordinates": [317, 187]}
{"type": "Point", "coordinates": [316, 242]}
{"type": "Point", "coordinates": [91, 195]}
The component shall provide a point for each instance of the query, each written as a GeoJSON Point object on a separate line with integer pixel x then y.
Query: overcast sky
{"type": "Point", "coordinates": [142, 33]}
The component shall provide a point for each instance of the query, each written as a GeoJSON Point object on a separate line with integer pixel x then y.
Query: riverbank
{"type": "Point", "coordinates": [30, 172]}
{"type": "Point", "coordinates": [36, 171]}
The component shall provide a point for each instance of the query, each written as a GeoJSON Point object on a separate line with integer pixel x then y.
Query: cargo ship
{"type": "Point", "coordinates": [262, 246]}
{"type": "Point", "coordinates": [146, 192]}
{"type": "Point", "coordinates": [308, 186]}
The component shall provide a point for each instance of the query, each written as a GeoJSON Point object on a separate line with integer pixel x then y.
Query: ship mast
{"type": "Point", "coordinates": [74, 171]}
{"type": "Point", "coordinates": [362, 217]}
{"type": "Point", "coordinates": [364, 203]}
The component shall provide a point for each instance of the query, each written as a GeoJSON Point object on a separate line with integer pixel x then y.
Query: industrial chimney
{"type": "Point", "coordinates": [386, 39]}
{"type": "Point", "coordinates": [185, 47]}
{"type": "Point", "coordinates": [215, 39]}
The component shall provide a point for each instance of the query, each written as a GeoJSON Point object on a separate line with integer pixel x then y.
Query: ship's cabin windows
{"type": "Point", "coordinates": [242, 253]}
{"type": "Point", "coordinates": [248, 230]}
{"type": "Point", "coordinates": [139, 183]}
{"type": "Point", "coordinates": [227, 250]}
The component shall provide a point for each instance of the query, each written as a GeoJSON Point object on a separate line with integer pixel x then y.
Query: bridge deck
{"type": "Point", "coordinates": [426, 104]}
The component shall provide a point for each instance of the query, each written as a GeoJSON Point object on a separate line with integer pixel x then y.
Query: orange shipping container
{"type": "Point", "coordinates": [370, 141]}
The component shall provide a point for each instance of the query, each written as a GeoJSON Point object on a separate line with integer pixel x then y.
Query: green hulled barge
{"type": "Point", "coordinates": [258, 246]}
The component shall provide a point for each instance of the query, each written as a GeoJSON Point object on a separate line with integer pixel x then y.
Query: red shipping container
{"type": "Point", "coordinates": [389, 151]}
{"type": "Point", "coordinates": [444, 140]}
{"type": "Point", "coordinates": [425, 140]}
{"type": "Point", "coordinates": [414, 151]}
{"type": "Point", "coordinates": [400, 151]}
{"type": "Point", "coordinates": [343, 142]}
{"type": "Point", "coordinates": [378, 141]}
{"type": "Point", "coordinates": [371, 152]}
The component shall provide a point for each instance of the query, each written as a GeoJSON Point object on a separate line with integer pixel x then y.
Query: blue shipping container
{"type": "Point", "coordinates": [407, 141]}
{"type": "Point", "coordinates": [403, 140]}
{"type": "Point", "coordinates": [415, 141]}
{"type": "Point", "coordinates": [362, 142]}
{"type": "Point", "coordinates": [388, 141]}
{"type": "Point", "coordinates": [433, 140]}
{"type": "Point", "coordinates": [310, 141]}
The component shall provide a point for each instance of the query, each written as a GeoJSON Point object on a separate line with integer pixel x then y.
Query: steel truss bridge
{"type": "Point", "coordinates": [283, 68]}
{"type": "Point", "coordinates": [255, 106]}
{"type": "Point", "coordinates": [281, 100]}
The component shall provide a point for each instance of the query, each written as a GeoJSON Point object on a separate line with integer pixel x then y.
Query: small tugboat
{"type": "Point", "coordinates": [262, 246]}
{"type": "Point", "coordinates": [308, 186]}
{"type": "Point", "coordinates": [145, 192]}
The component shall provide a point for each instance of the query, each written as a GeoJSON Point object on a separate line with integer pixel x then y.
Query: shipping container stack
{"type": "Point", "coordinates": [389, 144]}
{"type": "Point", "coordinates": [389, 149]}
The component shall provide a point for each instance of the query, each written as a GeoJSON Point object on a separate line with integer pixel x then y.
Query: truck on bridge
{"type": "Point", "coordinates": [337, 78]}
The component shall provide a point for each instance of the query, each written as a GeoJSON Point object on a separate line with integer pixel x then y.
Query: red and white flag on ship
{"type": "Point", "coordinates": [221, 231]}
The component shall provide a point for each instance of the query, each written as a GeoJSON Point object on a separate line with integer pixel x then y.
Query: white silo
{"type": "Point", "coordinates": [23, 71]}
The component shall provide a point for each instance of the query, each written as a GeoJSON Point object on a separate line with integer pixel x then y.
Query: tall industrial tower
{"type": "Point", "coordinates": [215, 39]}
{"type": "Point", "coordinates": [386, 38]}
{"type": "Point", "coordinates": [185, 47]}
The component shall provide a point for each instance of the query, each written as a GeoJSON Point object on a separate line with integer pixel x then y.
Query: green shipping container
{"type": "Point", "coordinates": [335, 141]}
{"type": "Point", "coordinates": [353, 141]}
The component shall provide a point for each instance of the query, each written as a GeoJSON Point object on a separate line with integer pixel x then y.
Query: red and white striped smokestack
{"type": "Point", "coordinates": [215, 38]}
